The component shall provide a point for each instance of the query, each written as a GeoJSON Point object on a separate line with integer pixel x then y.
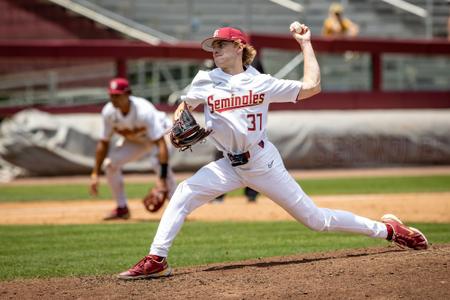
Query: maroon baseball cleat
{"type": "Point", "coordinates": [151, 266]}
{"type": "Point", "coordinates": [403, 235]}
{"type": "Point", "coordinates": [118, 213]}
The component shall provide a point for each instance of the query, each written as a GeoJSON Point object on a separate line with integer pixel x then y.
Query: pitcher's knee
{"type": "Point", "coordinates": [316, 223]}
{"type": "Point", "coordinates": [310, 215]}
{"type": "Point", "coordinates": [183, 198]}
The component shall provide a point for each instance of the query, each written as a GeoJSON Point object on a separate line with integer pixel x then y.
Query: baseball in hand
{"type": "Point", "coordinates": [298, 28]}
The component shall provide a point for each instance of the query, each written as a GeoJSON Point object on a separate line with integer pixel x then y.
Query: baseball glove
{"type": "Point", "coordinates": [186, 131]}
{"type": "Point", "coordinates": [155, 199]}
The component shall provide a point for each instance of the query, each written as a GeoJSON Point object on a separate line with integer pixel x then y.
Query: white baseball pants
{"type": "Point", "coordinates": [265, 173]}
{"type": "Point", "coordinates": [124, 152]}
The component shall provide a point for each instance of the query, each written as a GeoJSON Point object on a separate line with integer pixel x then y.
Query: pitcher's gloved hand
{"type": "Point", "coordinates": [186, 131]}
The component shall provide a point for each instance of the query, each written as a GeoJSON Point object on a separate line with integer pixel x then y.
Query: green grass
{"type": "Point", "coordinates": [30, 193]}
{"type": "Point", "coordinates": [377, 185]}
{"type": "Point", "coordinates": [77, 250]}
{"type": "Point", "coordinates": [364, 185]}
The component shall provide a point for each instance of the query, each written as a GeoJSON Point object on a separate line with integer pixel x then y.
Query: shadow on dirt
{"type": "Point", "coordinates": [294, 262]}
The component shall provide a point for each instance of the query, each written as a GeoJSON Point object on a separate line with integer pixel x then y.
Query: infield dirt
{"type": "Point", "coordinates": [417, 207]}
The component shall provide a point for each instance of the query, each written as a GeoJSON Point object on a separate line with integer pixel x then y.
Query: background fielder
{"type": "Point", "coordinates": [141, 128]}
{"type": "Point", "coordinates": [236, 99]}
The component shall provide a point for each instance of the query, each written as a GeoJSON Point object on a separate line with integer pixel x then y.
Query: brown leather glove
{"type": "Point", "coordinates": [155, 199]}
{"type": "Point", "coordinates": [186, 131]}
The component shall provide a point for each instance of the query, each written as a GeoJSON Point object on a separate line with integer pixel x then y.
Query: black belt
{"type": "Point", "coordinates": [241, 159]}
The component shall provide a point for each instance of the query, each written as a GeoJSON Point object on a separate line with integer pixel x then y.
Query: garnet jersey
{"type": "Point", "coordinates": [236, 106]}
{"type": "Point", "coordinates": [143, 122]}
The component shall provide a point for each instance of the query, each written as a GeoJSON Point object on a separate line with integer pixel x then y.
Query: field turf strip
{"type": "Point", "coordinates": [77, 250]}
{"type": "Point", "coordinates": [335, 186]}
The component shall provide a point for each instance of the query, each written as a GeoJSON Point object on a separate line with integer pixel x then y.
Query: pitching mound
{"type": "Point", "coordinates": [380, 273]}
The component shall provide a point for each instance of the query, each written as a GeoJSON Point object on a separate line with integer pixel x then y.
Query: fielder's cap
{"type": "Point", "coordinates": [119, 86]}
{"type": "Point", "coordinates": [224, 34]}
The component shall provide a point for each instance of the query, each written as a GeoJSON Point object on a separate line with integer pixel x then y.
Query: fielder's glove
{"type": "Point", "coordinates": [186, 131]}
{"type": "Point", "coordinates": [155, 199]}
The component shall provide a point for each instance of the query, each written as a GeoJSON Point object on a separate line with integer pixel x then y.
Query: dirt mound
{"type": "Point", "coordinates": [378, 273]}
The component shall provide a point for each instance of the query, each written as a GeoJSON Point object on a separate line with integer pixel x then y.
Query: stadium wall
{"type": "Point", "coordinates": [65, 144]}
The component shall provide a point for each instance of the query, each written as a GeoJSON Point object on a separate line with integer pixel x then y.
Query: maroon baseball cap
{"type": "Point", "coordinates": [119, 86]}
{"type": "Point", "coordinates": [224, 34]}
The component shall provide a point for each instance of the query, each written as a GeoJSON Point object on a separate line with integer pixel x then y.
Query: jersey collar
{"type": "Point", "coordinates": [249, 72]}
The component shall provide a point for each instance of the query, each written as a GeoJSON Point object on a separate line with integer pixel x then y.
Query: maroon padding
{"type": "Point", "coordinates": [324, 100]}
{"type": "Point", "coordinates": [370, 100]}
{"type": "Point", "coordinates": [115, 49]}
{"type": "Point", "coordinates": [361, 44]}
{"type": "Point", "coordinates": [121, 49]}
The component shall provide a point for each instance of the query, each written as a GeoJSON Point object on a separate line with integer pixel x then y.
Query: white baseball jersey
{"type": "Point", "coordinates": [143, 122]}
{"type": "Point", "coordinates": [236, 106]}
{"type": "Point", "coordinates": [139, 128]}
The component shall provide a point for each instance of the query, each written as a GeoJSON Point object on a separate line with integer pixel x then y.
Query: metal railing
{"type": "Point", "coordinates": [425, 14]}
{"type": "Point", "coordinates": [114, 21]}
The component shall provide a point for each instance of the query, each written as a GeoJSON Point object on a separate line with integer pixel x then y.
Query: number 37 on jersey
{"type": "Point", "coordinates": [254, 121]}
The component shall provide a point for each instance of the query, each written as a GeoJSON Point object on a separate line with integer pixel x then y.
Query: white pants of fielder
{"type": "Point", "coordinates": [265, 173]}
{"type": "Point", "coordinates": [124, 152]}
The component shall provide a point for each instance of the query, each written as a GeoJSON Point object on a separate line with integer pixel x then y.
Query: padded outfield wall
{"type": "Point", "coordinates": [46, 144]}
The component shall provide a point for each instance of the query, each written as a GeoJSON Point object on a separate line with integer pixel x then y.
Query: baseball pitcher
{"type": "Point", "coordinates": [236, 98]}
